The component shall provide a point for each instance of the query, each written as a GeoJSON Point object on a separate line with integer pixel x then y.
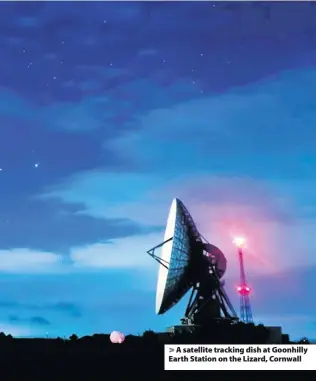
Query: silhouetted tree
{"type": "Point", "coordinates": [150, 336]}
{"type": "Point", "coordinates": [73, 337]}
{"type": "Point", "coordinates": [133, 340]}
{"type": "Point", "coordinates": [262, 334]}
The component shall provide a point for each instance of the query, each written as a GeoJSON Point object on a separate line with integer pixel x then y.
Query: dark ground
{"type": "Point", "coordinates": [96, 358]}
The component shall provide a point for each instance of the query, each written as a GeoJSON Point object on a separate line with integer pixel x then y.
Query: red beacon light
{"type": "Point", "coordinates": [243, 290]}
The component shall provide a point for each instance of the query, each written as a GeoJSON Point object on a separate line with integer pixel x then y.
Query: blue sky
{"type": "Point", "coordinates": [108, 111]}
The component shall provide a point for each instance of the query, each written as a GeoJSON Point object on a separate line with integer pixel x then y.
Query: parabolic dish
{"type": "Point", "coordinates": [174, 282]}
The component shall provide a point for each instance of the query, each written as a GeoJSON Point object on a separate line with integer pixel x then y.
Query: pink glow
{"type": "Point", "coordinates": [117, 337]}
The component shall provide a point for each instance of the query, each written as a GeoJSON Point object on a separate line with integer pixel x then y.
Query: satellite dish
{"type": "Point", "coordinates": [187, 262]}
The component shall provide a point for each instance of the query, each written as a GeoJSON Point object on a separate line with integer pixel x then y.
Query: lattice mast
{"type": "Point", "coordinates": [243, 288]}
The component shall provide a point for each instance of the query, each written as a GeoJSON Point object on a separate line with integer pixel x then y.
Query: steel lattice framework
{"type": "Point", "coordinates": [244, 290]}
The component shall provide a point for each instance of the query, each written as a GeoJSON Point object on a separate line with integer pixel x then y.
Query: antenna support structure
{"type": "Point", "coordinates": [244, 291]}
{"type": "Point", "coordinates": [200, 296]}
{"type": "Point", "coordinates": [190, 263]}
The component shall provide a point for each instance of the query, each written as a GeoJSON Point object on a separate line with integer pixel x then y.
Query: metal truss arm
{"type": "Point", "coordinates": [161, 261]}
{"type": "Point", "coordinates": [223, 296]}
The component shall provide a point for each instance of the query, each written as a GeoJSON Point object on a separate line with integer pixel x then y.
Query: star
{"type": "Point", "coordinates": [1, 169]}
{"type": "Point", "coordinates": [36, 165]}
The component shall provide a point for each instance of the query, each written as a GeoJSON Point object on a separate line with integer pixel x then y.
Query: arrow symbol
{"type": "Point", "coordinates": [171, 350]}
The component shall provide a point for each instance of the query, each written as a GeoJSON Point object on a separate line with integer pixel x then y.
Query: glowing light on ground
{"type": "Point", "coordinates": [117, 337]}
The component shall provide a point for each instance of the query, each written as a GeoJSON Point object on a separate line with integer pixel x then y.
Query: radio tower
{"type": "Point", "coordinates": [243, 289]}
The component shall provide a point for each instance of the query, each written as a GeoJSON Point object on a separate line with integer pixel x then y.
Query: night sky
{"type": "Point", "coordinates": [108, 111]}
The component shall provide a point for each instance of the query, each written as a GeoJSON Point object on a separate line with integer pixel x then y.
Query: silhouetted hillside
{"type": "Point", "coordinates": [95, 357]}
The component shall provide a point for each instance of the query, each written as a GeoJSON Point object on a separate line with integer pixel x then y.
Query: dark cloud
{"type": "Point", "coordinates": [242, 28]}
{"type": "Point", "coordinates": [39, 320]}
{"type": "Point", "coordinates": [36, 320]}
{"type": "Point", "coordinates": [59, 30]}
{"type": "Point", "coordinates": [49, 224]}
{"type": "Point", "coordinates": [65, 308]}
{"type": "Point", "coordinates": [53, 226]}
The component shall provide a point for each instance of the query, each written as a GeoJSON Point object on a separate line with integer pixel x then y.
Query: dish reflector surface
{"type": "Point", "coordinates": [174, 282]}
